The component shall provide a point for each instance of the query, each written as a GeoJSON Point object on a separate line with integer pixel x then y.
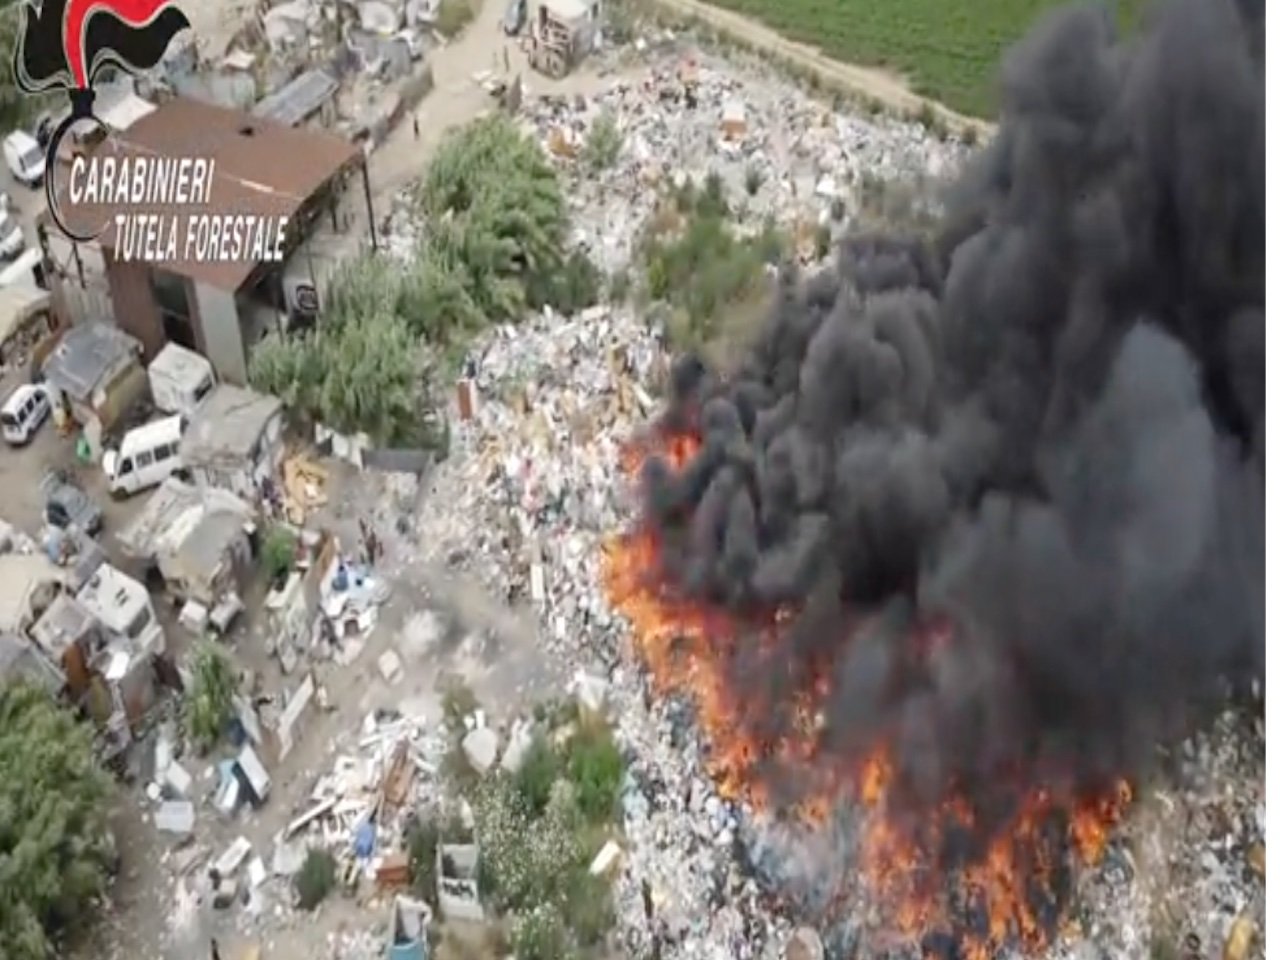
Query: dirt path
{"type": "Point", "coordinates": [877, 84]}
{"type": "Point", "coordinates": [459, 97]}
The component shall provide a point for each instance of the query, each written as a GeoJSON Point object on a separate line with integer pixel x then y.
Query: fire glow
{"type": "Point", "coordinates": [1009, 886]}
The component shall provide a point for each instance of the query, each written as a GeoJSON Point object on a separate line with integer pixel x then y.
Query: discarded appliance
{"type": "Point", "coordinates": [456, 885]}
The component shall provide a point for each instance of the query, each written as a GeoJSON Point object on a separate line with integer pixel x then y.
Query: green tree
{"type": "Point", "coordinates": [495, 208]}
{"type": "Point", "coordinates": [604, 142]}
{"type": "Point", "coordinates": [55, 848]}
{"type": "Point", "coordinates": [596, 768]}
{"type": "Point", "coordinates": [371, 377]}
{"type": "Point", "coordinates": [209, 700]}
{"type": "Point", "coordinates": [364, 285]}
{"type": "Point", "coordinates": [290, 368]}
{"type": "Point", "coordinates": [359, 370]}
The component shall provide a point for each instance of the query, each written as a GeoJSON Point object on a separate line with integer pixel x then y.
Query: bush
{"type": "Point", "coordinates": [458, 702]}
{"type": "Point", "coordinates": [421, 843]}
{"type": "Point", "coordinates": [316, 878]}
{"type": "Point", "coordinates": [358, 374]}
{"type": "Point", "coordinates": [209, 701]}
{"type": "Point", "coordinates": [496, 213]}
{"type": "Point", "coordinates": [589, 909]}
{"type": "Point", "coordinates": [56, 851]}
{"type": "Point", "coordinates": [537, 775]}
{"type": "Point", "coordinates": [619, 286]}
{"type": "Point", "coordinates": [525, 860]}
{"type": "Point", "coordinates": [604, 142]}
{"type": "Point", "coordinates": [279, 552]}
{"type": "Point", "coordinates": [453, 17]}
{"type": "Point", "coordinates": [595, 768]}
{"type": "Point", "coordinates": [578, 287]}
{"type": "Point", "coordinates": [705, 272]}
{"type": "Point", "coordinates": [541, 934]}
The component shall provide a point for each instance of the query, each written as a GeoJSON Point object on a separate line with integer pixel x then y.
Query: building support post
{"type": "Point", "coordinates": [368, 202]}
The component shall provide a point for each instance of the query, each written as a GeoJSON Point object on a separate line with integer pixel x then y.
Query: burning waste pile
{"type": "Point", "coordinates": [976, 529]}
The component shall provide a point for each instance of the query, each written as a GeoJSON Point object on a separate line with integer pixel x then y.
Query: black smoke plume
{"type": "Point", "coordinates": [1043, 426]}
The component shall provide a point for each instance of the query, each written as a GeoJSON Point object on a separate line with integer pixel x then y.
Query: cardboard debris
{"type": "Point", "coordinates": [390, 667]}
{"type": "Point", "coordinates": [604, 860]}
{"type": "Point", "coordinates": [176, 816]}
{"type": "Point", "coordinates": [304, 487]}
{"type": "Point", "coordinates": [233, 856]}
{"type": "Point", "coordinates": [1239, 940]}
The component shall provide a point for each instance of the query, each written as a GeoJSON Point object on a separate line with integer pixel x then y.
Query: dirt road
{"type": "Point", "coordinates": [870, 82]}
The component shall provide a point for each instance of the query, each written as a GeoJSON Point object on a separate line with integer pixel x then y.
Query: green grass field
{"type": "Point", "coordinates": [949, 50]}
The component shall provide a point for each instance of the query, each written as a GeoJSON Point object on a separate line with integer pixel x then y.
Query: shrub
{"type": "Point", "coordinates": [209, 700]}
{"type": "Point", "coordinates": [969, 135]}
{"type": "Point", "coordinates": [588, 908]}
{"type": "Point", "coordinates": [278, 552]}
{"type": "Point", "coordinates": [706, 272]}
{"type": "Point", "coordinates": [458, 702]}
{"type": "Point", "coordinates": [315, 880]}
{"type": "Point", "coordinates": [453, 17]}
{"type": "Point", "coordinates": [496, 214]}
{"type": "Point", "coordinates": [422, 839]}
{"type": "Point", "coordinates": [56, 850]}
{"type": "Point", "coordinates": [595, 768]}
{"type": "Point", "coordinates": [604, 142]}
{"type": "Point", "coordinates": [524, 860]}
{"type": "Point", "coordinates": [541, 934]}
{"type": "Point", "coordinates": [578, 287]}
{"type": "Point", "coordinates": [537, 775]}
{"type": "Point", "coordinates": [619, 286]}
{"type": "Point", "coordinates": [927, 116]}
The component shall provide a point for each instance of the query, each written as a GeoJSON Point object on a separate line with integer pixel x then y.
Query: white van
{"type": "Point", "coordinates": [147, 456]}
{"type": "Point", "coordinates": [12, 242]}
{"type": "Point", "coordinates": [24, 158]}
{"type": "Point", "coordinates": [26, 271]}
{"type": "Point", "coordinates": [23, 413]}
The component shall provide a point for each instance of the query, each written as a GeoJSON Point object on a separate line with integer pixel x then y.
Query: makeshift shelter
{"type": "Point", "coordinates": [235, 440]}
{"type": "Point", "coordinates": [199, 540]}
{"type": "Point", "coordinates": [96, 372]}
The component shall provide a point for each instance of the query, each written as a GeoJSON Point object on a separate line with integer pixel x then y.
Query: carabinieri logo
{"type": "Point", "coordinates": [65, 43]}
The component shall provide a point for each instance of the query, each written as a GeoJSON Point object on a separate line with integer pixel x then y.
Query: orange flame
{"type": "Point", "coordinates": [687, 647]}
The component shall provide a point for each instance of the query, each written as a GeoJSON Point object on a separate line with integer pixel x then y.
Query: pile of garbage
{"type": "Point", "coordinates": [781, 154]}
{"type": "Point", "coordinates": [529, 492]}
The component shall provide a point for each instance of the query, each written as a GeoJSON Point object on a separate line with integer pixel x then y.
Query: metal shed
{"type": "Point", "coordinates": [298, 99]}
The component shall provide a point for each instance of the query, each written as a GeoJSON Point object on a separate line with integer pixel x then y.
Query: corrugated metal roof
{"type": "Point", "coordinates": [88, 354]}
{"type": "Point", "coordinates": [229, 423]}
{"type": "Point", "coordinates": [298, 99]}
{"type": "Point", "coordinates": [20, 660]}
{"type": "Point", "coordinates": [17, 306]}
{"type": "Point", "coordinates": [261, 167]}
{"type": "Point", "coordinates": [172, 512]}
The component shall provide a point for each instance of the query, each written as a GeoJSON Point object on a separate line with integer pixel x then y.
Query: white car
{"type": "Point", "coordinates": [24, 157]}
{"type": "Point", "coordinates": [12, 242]}
{"type": "Point", "coordinates": [22, 414]}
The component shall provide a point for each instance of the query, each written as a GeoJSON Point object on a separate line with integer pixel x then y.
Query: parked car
{"type": "Point", "coordinates": [24, 411]}
{"type": "Point", "coordinates": [24, 157]}
{"type": "Point", "coordinates": [12, 242]}
{"type": "Point", "coordinates": [66, 505]}
{"type": "Point", "coordinates": [513, 20]}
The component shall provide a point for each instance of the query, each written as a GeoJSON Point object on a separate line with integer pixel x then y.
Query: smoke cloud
{"type": "Point", "coordinates": [1043, 426]}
